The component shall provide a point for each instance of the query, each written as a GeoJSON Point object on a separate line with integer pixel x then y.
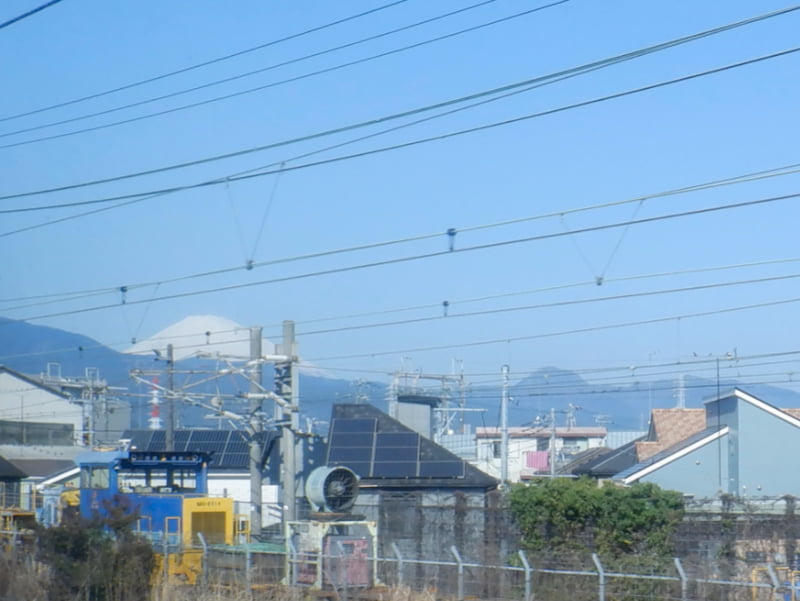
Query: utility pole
{"type": "Point", "coordinates": [504, 428]}
{"type": "Point", "coordinates": [170, 435]}
{"type": "Point", "coordinates": [286, 387]}
{"type": "Point", "coordinates": [256, 428]}
{"type": "Point", "coordinates": [552, 442]}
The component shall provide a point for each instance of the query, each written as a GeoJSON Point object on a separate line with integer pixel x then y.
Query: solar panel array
{"type": "Point", "coordinates": [356, 443]}
{"type": "Point", "coordinates": [228, 448]}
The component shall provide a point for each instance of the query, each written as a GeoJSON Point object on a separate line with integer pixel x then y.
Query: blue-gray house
{"type": "Point", "coordinates": [742, 451]}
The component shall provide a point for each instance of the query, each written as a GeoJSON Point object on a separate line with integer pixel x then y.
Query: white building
{"type": "Point", "coordinates": [533, 450]}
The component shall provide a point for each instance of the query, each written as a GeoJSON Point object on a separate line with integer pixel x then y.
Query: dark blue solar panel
{"type": "Point", "coordinates": [397, 439]}
{"type": "Point", "coordinates": [395, 453]}
{"type": "Point", "coordinates": [441, 469]}
{"type": "Point", "coordinates": [345, 454]}
{"type": "Point", "coordinates": [237, 446]}
{"type": "Point", "coordinates": [181, 436]}
{"type": "Point", "coordinates": [351, 439]}
{"type": "Point", "coordinates": [394, 469]}
{"type": "Point", "coordinates": [240, 460]}
{"type": "Point", "coordinates": [354, 425]}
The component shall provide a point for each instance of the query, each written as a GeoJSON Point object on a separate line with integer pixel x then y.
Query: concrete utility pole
{"type": "Point", "coordinates": [256, 428]}
{"type": "Point", "coordinates": [552, 442]}
{"type": "Point", "coordinates": [170, 434]}
{"type": "Point", "coordinates": [504, 428]}
{"type": "Point", "coordinates": [287, 413]}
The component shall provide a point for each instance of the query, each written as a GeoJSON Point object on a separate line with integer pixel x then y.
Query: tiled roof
{"type": "Point", "coordinates": [668, 428]}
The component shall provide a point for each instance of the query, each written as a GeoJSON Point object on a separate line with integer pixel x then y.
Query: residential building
{"type": "Point", "coordinates": [534, 450]}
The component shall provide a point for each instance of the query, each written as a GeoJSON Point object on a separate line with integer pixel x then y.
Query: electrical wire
{"type": "Point", "coordinates": [265, 86]}
{"type": "Point", "coordinates": [586, 330]}
{"type": "Point", "coordinates": [429, 255]}
{"type": "Point", "coordinates": [557, 76]}
{"type": "Point", "coordinates": [213, 61]}
{"type": "Point", "coordinates": [409, 144]}
{"type": "Point", "coordinates": [561, 303]}
{"type": "Point", "coordinates": [25, 15]}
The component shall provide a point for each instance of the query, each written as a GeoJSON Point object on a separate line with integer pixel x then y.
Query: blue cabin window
{"type": "Point", "coordinates": [94, 476]}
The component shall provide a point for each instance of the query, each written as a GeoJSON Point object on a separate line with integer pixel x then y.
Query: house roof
{"type": "Point", "coordinates": [667, 428]}
{"type": "Point", "coordinates": [43, 468]}
{"type": "Point", "coordinates": [695, 441]}
{"type": "Point", "coordinates": [542, 432]}
{"type": "Point", "coordinates": [9, 471]}
{"type": "Point", "coordinates": [34, 381]}
{"type": "Point", "coordinates": [606, 463]}
{"type": "Point", "coordinates": [387, 454]}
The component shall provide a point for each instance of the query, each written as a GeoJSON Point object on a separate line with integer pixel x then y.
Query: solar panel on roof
{"type": "Point", "coordinates": [394, 469]}
{"type": "Point", "coordinates": [352, 439]}
{"type": "Point", "coordinates": [395, 453]}
{"type": "Point", "coordinates": [441, 469]}
{"type": "Point", "coordinates": [366, 424]}
{"type": "Point", "coordinates": [397, 439]}
{"type": "Point", "coordinates": [345, 454]}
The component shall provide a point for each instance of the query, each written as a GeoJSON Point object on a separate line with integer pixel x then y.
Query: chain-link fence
{"type": "Point", "coordinates": [527, 578]}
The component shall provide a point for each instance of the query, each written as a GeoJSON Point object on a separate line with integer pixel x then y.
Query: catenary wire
{"type": "Point", "coordinates": [281, 82]}
{"type": "Point", "coordinates": [202, 64]}
{"type": "Point", "coordinates": [411, 143]}
{"type": "Point", "coordinates": [558, 75]}
{"type": "Point", "coordinates": [586, 330]}
{"type": "Point", "coordinates": [429, 255]}
{"type": "Point", "coordinates": [745, 178]}
{"type": "Point", "coordinates": [560, 303]}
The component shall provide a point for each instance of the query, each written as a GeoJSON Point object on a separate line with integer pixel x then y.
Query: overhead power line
{"type": "Point", "coordinates": [31, 12]}
{"type": "Point", "coordinates": [265, 86]}
{"type": "Point", "coordinates": [586, 330]}
{"type": "Point", "coordinates": [744, 178]}
{"type": "Point", "coordinates": [429, 255]}
{"type": "Point", "coordinates": [534, 81]}
{"type": "Point", "coordinates": [412, 143]}
{"type": "Point", "coordinates": [213, 61]}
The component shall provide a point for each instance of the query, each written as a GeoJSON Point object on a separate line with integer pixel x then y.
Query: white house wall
{"type": "Point", "coordinates": [21, 401]}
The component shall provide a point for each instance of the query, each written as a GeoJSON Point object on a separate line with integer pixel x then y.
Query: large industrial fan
{"type": "Point", "coordinates": [332, 489]}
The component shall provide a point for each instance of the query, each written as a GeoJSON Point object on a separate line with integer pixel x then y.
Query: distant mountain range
{"type": "Point", "coordinates": [29, 349]}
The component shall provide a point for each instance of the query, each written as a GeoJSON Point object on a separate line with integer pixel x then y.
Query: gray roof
{"type": "Point", "coordinates": [698, 436]}
{"type": "Point", "coordinates": [8, 471]}
{"type": "Point", "coordinates": [43, 468]}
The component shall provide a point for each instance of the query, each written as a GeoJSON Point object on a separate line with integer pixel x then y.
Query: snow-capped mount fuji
{"type": "Point", "coordinates": [201, 336]}
{"type": "Point", "coordinates": [210, 337]}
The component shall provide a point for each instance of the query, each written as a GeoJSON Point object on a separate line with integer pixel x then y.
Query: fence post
{"type": "Point", "coordinates": [400, 564]}
{"type": "Point", "coordinates": [527, 566]}
{"type": "Point", "coordinates": [684, 581]}
{"type": "Point", "coordinates": [601, 591]}
{"type": "Point", "coordinates": [166, 557]}
{"type": "Point", "coordinates": [776, 584]}
{"type": "Point", "coordinates": [249, 571]}
{"type": "Point", "coordinates": [457, 555]}
{"type": "Point", "coordinates": [204, 562]}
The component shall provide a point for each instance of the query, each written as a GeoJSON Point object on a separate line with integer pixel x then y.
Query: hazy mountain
{"type": "Point", "coordinates": [29, 348]}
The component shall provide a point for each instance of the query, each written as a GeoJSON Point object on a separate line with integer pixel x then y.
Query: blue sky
{"type": "Point", "coordinates": [523, 180]}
